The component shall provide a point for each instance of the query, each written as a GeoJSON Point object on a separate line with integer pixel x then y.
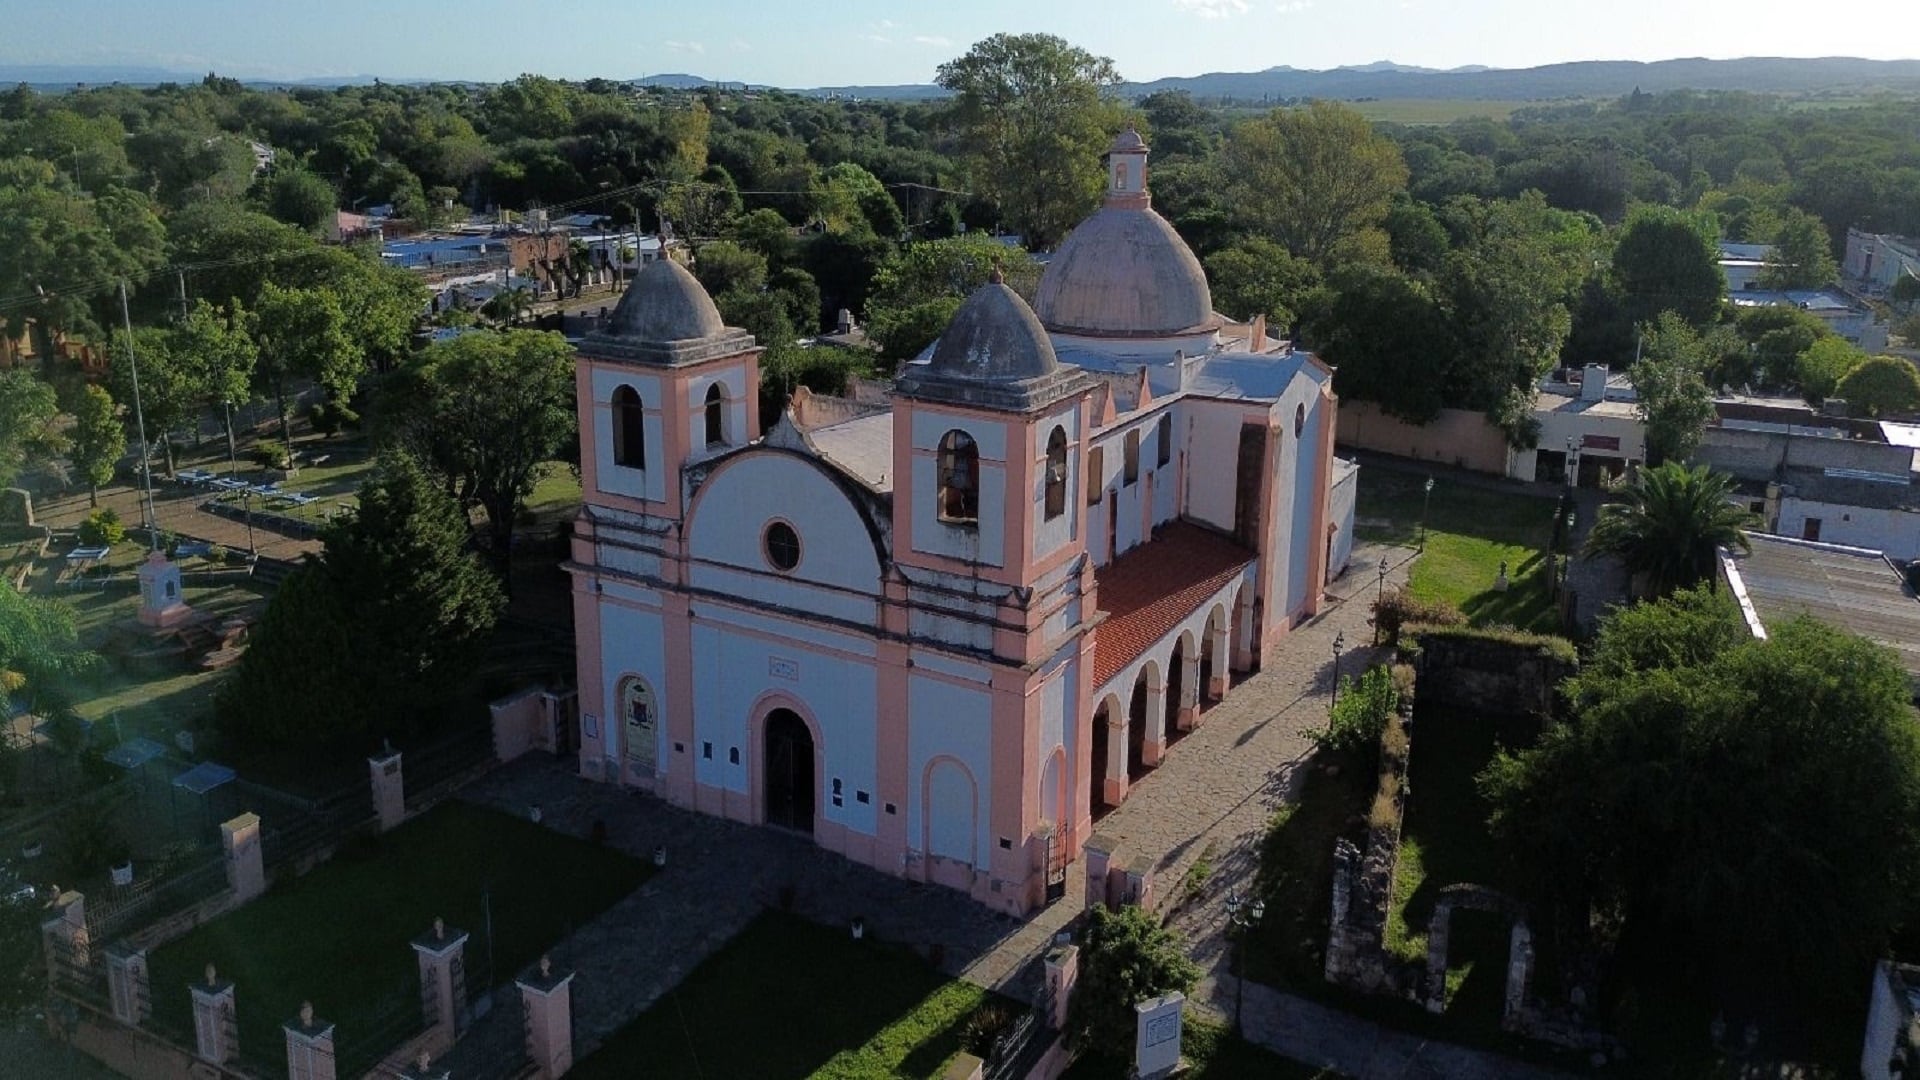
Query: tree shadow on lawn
{"type": "Point", "coordinates": [1288, 947]}
{"type": "Point", "coordinates": [787, 999]}
{"type": "Point", "coordinates": [1445, 840]}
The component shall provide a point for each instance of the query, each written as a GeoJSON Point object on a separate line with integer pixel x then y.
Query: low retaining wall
{"type": "Point", "coordinates": [1491, 672]}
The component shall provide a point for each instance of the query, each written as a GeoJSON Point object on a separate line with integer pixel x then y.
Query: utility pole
{"type": "Point", "coordinates": [180, 275]}
{"type": "Point", "coordinates": [140, 421]}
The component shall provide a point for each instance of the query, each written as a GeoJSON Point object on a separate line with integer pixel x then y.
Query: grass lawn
{"type": "Point", "coordinates": [339, 936]}
{"type": "Point", "coordinates": [556, 494]}
{"type": "Point", "coordinates": [787, 999]}
{"type": "Point", "coordinates": [1296, 869]}
{"type": "Point", "coordinates": [1212, 1052]}
{"type": "Point", "coordinates": [1470, 532]}
{"type": "Point", "coordinates": [1444, 842]}
{"type": "Point", "coordinates": [140, 702]}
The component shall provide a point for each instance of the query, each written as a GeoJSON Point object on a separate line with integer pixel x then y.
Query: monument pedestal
{"type": "Point", "coordinates": [162, 603]}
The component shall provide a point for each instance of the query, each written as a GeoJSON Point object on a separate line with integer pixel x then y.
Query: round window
{"type": "Point", "coordinates": [782, 546]}
{"type": "Point", "coordinates": [1299, 420]}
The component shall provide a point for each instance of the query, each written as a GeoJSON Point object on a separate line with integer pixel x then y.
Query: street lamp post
{"type": "Point", "coordinates": [1339, 643]}
{"type": "Point", "coordinates": [1241, 919]}
{"type": "Point", "coordinates": [1426, 503]}
{"type": "Point", "coordinates": [233, 466]}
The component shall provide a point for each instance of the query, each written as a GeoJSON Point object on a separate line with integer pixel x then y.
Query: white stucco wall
{"type": "Point", "coordinates": [649, 483]}
{"type": "Point", "coordinates": [1051, 536]}
{"type": "Point", "coordinates": [1131, 499]}
{"type": "Point", "coordinates": [949, 720]}
{"type": "Point", "coordinates": [1340, 513]}
{"type": "Point", "coordinates": [631, 643]}
{"type": "Point", "coordinates": [733, 667]}
{"type": "Point", "coordinates": [1214, 436]}
{"type": "Point", "coordinates": [733, 380]}
{"type": "Point", "coordinates": [839, 571]}
{"type": "Point", "coordinates": [1894, 532]}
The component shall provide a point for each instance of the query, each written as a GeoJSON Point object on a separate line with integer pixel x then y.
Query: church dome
{"type": "Point", "coordinates": [1125, 272]}
{"type": "Point", "coordinates": [994, 337]}
{"type": "Point", "coordinates": [994, 355]}
{"type": "Point", "coordinates": [666, 317]}
{"type": "Point", "coordinates": [665, 303]}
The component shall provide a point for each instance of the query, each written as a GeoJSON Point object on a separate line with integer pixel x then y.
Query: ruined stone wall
{"type": "Point", "coordinates": [1503, 674]}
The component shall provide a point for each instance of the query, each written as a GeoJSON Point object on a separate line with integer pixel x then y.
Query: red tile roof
{"type": "Point", "coordinates": [1147, 591]}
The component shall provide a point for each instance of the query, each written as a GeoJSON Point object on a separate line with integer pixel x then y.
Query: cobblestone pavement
{"type": "Point", "coordinates": [27, 1050]}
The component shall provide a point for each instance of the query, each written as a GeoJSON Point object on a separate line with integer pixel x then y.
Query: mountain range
{"type": "Point", "coordinates": [1381, 79]}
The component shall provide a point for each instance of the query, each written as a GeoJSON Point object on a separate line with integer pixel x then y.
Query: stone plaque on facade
{"type": "Point", "coordinates": [1156, 1048]}
{"type": "Point", "coordinates": [781, 668]}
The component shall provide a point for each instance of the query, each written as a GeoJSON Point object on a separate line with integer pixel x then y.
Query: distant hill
{"type": "Point", "coordinates": [1380, 79]}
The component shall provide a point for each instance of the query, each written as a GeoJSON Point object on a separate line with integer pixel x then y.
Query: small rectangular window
{"type": "Point", "coordinates": [706, 750]}
{"type": "Point", "coordinates": [1130, 473]}
{"type": "Point", "coordinates": [1095, 480]}
{"type": "Point", "coordinates": [733, 755]}
{"type": "Point", "coordinates": [862, 798]}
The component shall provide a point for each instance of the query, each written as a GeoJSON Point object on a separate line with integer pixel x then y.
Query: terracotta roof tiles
{"type": "Point", "coordinates": [1146, 592]}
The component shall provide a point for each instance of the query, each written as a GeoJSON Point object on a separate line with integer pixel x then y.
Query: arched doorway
{"type": "Point", "coordinates": [1176, 688]}
{"type": "Point", "coordinates": [1137, 721]}
{"type": "Point", "coordinates": [1097, 765]}
{"type": "Point", "coordinates": [788, 782]}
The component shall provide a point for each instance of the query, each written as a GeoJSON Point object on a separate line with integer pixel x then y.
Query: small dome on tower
{"type": "Point", "coordinates": [1128, 141]}
{"type": "Point", "coordinates": [994, 354]}
{"type": "Point", "coordinates": [666, 316]}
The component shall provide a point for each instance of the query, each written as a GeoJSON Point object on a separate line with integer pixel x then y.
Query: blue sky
{"type": "Point", "coordinates": [803, 43]}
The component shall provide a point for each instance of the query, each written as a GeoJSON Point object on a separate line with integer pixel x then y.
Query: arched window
{"type": "Point", "coordinates": [1163, 453]}
{"type": "Point", "coordinates": [716, 416]}
{"type": "Point", "coordinates": [1056, 473]}
{"type": "Point", "coordinates": [641, 719]}
{"type": "Point", "coordinates": [959, 479]}
{"type": "Point", "coordinates": [629, 429]}
{"type": "Point", "coordinates": [1130, 466]}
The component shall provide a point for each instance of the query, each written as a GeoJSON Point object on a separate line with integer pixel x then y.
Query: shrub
{"type": "Point", "coordinates": [272, 454]}
{"type": "Point", "coordinates": [1400, 608]}
{"type": "Point", "coordinates": [329, 417]}
{"type": "Point", "coordinates": [102, 528]}
{"type": "Point", "coordinates": [984, 1028]}
{"type": "Point", "coordinates": [1127, 957]}
{"type": "Point", "coordinates": [1362, 712]}
{"type": "Point", "coordinates": [217, 553]}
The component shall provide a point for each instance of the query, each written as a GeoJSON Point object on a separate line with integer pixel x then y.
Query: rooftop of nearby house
{"type": "Point", "coordinates": [1853, 588]}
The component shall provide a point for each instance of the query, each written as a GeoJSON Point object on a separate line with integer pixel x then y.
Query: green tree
{"type": "Point", "coordinates": [1670, 379]}
{"type": "Point", "coordinates": [766, 232]}
{"type": "Point", "coordinates": [1777, 336]}
{"type": "Point", "coordinates": [1824, 364]}
{"type": "Point", "coordinates": [29, 414]}
{"type": "Point", "coordinates": [1126, 957]}
{"type": "Point", "coordinates": [485, 411]}
{"type": "Point", "coordinates": [1882, 386]}
{"type": "Point", "coordinates": [59, 241]}
{"type": "Point", "coordinates": [847, 196]}
{"type": "Point", "coordinates": [1381, 331]}
{"type": "Point", "coordinates": [1905, 291]}
{"type": "Point", "coordinates": [1670, 524]}
{"type": "Point", "coordinates": [1711, 771]}
{"type": "Point", "coordinates": [302, 333]}
{"type": "Point", "coordinates": [1667, 260]}
{"type": "Point", "coordinates": [1314, 178]}
{"type": "Point", "coordinates": [40, 652]}
{"type": "Point", "coordinates": [529, 107]}
{"type": "Point", "coordinates": [1801, 256]}
{"type": "Point", "coordinates": [389, 615]}
{"type": "Point", "coordinates": [97, 440]}
{"type": "Point", "coordinates": [919, 286]}
{"type": "Point", "coordinates": [23, 979]}
{"type": "Point", "coordinates": [300, 199]}
{"type": "Point", "coordinates": [724, 266]}
{"type": "Point", "coordinates": [1033, 117]}
{"type": "Point", "coordinates": [220, 356]}
{"type": "Point", "coordinates": [1256, 276]}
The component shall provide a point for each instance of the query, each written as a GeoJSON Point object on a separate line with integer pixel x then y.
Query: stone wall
{"type": "Point", "coordinates": [1491, 673]}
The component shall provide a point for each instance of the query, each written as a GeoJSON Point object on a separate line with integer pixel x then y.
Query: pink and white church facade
{"type": "Point", "coordinates": [943, 628]}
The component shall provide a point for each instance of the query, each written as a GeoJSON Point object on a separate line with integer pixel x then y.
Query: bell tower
{"type": "Point", "coordinates": [1127, 172]}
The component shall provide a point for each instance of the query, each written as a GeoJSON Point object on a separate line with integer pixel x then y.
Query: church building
{"type": "Point", "coordinates": [943, 626]}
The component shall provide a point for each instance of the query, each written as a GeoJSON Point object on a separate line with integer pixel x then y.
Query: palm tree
{"type": "Point", "coordinates": [1673, 521]}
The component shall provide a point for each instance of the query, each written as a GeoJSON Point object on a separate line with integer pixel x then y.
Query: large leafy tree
{"type": "Point", "coordinates": [1256, 276]}
{"type": "Point", "coordinates": [1314, 178]}
{"type": "Point", "coordinates": [387, 616]}
{"type": "Point", "coordinates": [97, 440]}
{"type": "Point", "coordinates": [29, 409]}
{"type": "Point", "coordinates": [40, 652]}
{"type": "Point", "coordinates": [1730, 808]}
{"type": "Point", "coordinates": [1670, 524]}
{"type": "Point", "coordinates": [1666, 260]}
{"type": "Point", "coordinates": [1382, 332]}
{"type": "Point", "coordinates": [1675, 402]}
{"type": "Point", "coordinates": [64, 245]}
{"type": "Point", "coordinates": [220, 356]}
{"type": "Point", "coordinates": [303, 333]}
{"type": "Point", "coordinates": [919, 286]}
{"type": "Point", "coordinates": [1801, 257]}
{"type": "Point", "coordinates": [1033, 117]}
{"type": "Point", "coordinates": [485, 411]}
{"type": "Point", "coordinates": [1882, 386]}
{"type": "Point", "coordinates": [1823, 364]}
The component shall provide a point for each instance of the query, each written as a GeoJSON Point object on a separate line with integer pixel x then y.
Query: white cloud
{"type": "Point", "coordinates": [739, 45]}
{"type": "Point", "coordinates": [888, 24]}
{"type": "Point", "coordinates": [1292, 7]}
{"type": "Point", "coordinates": [933, 39]}
{"type": "Point", "coordinates": [877, 39]}
{"type": "Point", "coordinates": [684, 46]}
{"type": "Point", "coordinates": [1212, 9]}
